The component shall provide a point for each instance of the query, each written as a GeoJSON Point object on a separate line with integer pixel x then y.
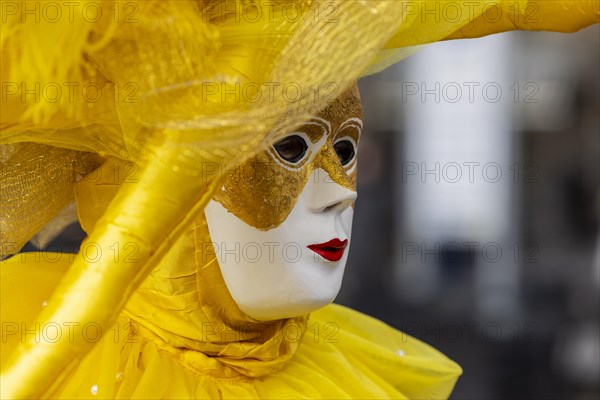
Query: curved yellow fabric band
{"type": "Point", "coordinates": [533, 15]}
{"type": "Point", "coordinates": [92, 291]}
{"type": "Point", "coordinates": [429, 21]}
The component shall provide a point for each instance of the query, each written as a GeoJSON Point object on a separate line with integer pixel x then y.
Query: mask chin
{"type": "Point", "coordinates": [273, 274]}
{"type": "Point", "coordinates": [269, 312]}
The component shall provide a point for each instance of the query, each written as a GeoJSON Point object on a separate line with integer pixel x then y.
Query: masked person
{"type": "Point", "coordinates": [210, 265]}
{"type": "Point", "coordinates": [232, 309]}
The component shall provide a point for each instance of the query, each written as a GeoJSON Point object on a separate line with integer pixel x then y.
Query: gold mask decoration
{"type": "Point", "coordinates": [263, 191]}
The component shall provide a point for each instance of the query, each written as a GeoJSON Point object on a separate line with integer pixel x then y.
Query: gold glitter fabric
{"type": "Point", "coordinates": [177, 88]}
{"type": "Point", "coordinates": [42, 178]}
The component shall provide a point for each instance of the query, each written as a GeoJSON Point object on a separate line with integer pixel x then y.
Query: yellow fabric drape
{"type": "Point", "coordinates": [429, 21]}
{"type": "Point", "coordinates": [341, 354]}
{"type": "Point", "coordinates": [184, 303]}
{"type": "Point", "coordinates": [164, 77]}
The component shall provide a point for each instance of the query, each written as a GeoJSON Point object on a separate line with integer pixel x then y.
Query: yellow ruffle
{"type": "Point", "coordinates": [343, 353]}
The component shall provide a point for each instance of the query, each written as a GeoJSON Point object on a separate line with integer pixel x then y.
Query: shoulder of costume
{"type": "Point", "coordinates": [412, 366]}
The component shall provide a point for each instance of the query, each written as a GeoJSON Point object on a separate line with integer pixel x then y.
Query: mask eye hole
{"type": "Point", "coordinates": [345, 151]}
{"type": "Point", "coordinates": [292, 148]}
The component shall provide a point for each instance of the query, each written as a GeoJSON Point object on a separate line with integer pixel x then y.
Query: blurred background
{"type": "Point", "coordinates": [476, 226]}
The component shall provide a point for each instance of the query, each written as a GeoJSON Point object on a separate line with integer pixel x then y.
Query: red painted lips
{"type": "Point", "coordinates": [332, 250]}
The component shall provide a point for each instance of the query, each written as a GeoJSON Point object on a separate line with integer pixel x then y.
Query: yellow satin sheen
{"type": "Point", "coordinates": [184, 303]}
{"type": "Point", "coordinates": [172, 132]}
{"type": "Point", "coordinates": [426, 21]}
{"type": "Point", "coordinates": [181, 335]}
{"type": "Point", "coordinates": [343, 354]}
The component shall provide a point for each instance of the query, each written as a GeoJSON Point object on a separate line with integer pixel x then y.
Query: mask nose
{"type": "Point", "coordinates": [324, 194]}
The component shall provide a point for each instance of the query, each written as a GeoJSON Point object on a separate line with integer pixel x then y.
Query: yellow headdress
{"type": "Point", "coordinates": [174, 86]}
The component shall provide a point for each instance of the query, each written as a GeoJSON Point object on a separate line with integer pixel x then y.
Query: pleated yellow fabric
{"type": "Point", "coordinates": [341, 354]}
{"type": "Point", "coordinates": [184, 85]}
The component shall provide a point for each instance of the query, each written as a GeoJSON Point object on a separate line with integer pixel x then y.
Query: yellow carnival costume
{"type": "Point", "coordinates": [173, 95]}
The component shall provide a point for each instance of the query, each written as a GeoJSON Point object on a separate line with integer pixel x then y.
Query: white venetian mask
{"type": "Point", "coordinates": [281, 224]}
